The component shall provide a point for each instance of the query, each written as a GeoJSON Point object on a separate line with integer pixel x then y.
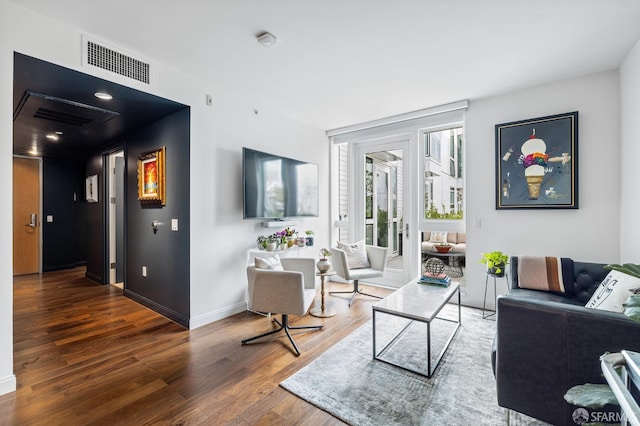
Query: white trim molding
{"type": "Point", "coordinates": [216, 315]}
{"type": "Point", "coordinates": [8, 384]}
{"type": "Point", "coordinates": [455, 106]}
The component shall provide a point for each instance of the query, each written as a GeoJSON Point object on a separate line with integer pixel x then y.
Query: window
{"type": "Point", "coordinates": [368, 188]}
{"type": "Point", "coordinates": [452, 199]}
{"type": "Point", "coordinates": [452, 156]}
{"type": "Point", "coordinates": [432, 148]}
{"type": "Point", "coordinates": [443, 183]}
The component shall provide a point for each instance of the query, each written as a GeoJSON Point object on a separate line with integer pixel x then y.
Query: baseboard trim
{"type": "Point", "coordinates": [162, 310]}
{"type": "Point", "coordinates": [62, 267]}
{"type": "Point", "coordinates": [217, 315]}
{"type": "Point", "coordinates": [8, 384]}
{"type": "Point", "coordinates": [94, 277]}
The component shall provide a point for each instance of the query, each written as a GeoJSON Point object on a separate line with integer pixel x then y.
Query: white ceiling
{"type": "Point", "coordinates": [342, 62]}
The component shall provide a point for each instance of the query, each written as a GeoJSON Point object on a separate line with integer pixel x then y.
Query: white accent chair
{"type": "Point", "coordinates": [377, 257]}
{"type": "Point", "coordinates": [288, 292]}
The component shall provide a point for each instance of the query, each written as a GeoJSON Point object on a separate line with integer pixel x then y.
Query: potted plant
{"type": "Point", "coordinates": [291, 236]}
{"type": "Point", "coordinates": [262, 242]}
{"type": "Point", "coordinates": [301, 241]}
{"type": "Point", "coordinates": [309, 237]}
{"type": "Point", "coordinates": [281, 238]}
{"type": "Point", "coordinates": [496, 262]}
{"type": "Point", "coordinates": [323, 264]}
{"type": "Point", "coordinates": [272, 242]}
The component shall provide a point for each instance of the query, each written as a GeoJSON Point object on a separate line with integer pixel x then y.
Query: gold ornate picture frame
{"type": "Point", "coordinates": [151, 177]}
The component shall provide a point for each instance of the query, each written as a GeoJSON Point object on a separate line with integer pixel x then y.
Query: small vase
{"type": "Point", "coordinates": [271, 246]}
{"type": "Point", "coordinates": [301, 241]}
{"type": "Point", "coordinates": [309, 241]}
{"type": "Point", "coordinates": [283, 246]}
{"type": "Point", "coordinates": [291, 241]}
{"type": "Point", "coordinates": [323, 265]}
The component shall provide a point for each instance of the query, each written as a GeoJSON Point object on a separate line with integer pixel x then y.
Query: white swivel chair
{"type": "Point", "coordinates": [377, 257]}
{"type": "Point", "coordinates": [288, 292]}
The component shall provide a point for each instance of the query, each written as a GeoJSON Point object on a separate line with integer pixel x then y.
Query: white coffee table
{"type": "Point", "coordinates": [417, 302]}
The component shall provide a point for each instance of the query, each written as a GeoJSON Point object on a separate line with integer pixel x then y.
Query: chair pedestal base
{"type": "Point", "coordinates": [355, 291]}
{"type": "Point", "coordinates": [284, 325]}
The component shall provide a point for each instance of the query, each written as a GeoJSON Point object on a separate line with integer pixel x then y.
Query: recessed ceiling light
{"type": "Point", "coordinates": [103, 95]}
{"type": "Point", "coordinates": [53, 137]}
{"type": "Point", "coordinates": [58, 133]}
{"type": "Point", "coordinates": [267, 39]}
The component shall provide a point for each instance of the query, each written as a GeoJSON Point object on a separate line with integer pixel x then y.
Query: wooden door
{"type": "Point", "coordinates": [26, 227]}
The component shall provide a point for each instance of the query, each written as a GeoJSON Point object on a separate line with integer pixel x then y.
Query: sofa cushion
{"type": "Point", "coordinates": [545, 273]}
{"type": "Point", "coordinates": [459, 248]}
{"type": "Point", "coordinates": [356, 254]}
{"type": "Point", "coordinates": [587, 278]}
{"type": "Point", "coordinates": [437, 237]}
{"type": "Point", "coordinates": [543, 296]}
{"type": "Point", "coordinates": [613, 291]}
{"type": "Point", "coordinates": [272, 263]}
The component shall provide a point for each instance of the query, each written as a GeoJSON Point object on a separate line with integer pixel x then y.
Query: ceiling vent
{"type": "Point", "coordinates": [101, 55]}
{"type": "Point", "coordinates": [61, 117]}
{"type": "Point", "coordinates": [63, 111]}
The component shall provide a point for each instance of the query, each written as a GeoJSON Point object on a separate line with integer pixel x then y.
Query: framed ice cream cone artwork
{"type": "Point", "coordinates": [151, 177]}
{"type": "Point", "coordinates": [537, 163]}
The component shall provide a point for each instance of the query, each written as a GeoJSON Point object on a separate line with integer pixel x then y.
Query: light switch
{"type": "Point", "coordinates": [49, 218]}
{"type": "Point", "coordinates": [477, 223]}
{"type": "Point", "coordinates": [174, 224]}
{"type": "Point", "coordinates": [144, 271]}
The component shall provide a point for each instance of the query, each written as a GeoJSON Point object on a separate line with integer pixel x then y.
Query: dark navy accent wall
{"type": "Point", "coordinates": [64, 239]}
{"type": "Point", "coordinates": [165, 254]}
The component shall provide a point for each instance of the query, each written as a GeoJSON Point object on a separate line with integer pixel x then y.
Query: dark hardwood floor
{"type": "Point", "coordinates": [85, 355]}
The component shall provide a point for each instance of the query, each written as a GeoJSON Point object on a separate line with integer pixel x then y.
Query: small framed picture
{"type": "Point", "coordinates": [151, 177]}
{"type": "Point", "coordinates": [91, 189]}
{"type": "Point", "coordinates": [537, 163]}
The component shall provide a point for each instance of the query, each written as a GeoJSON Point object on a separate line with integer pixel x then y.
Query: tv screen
{"type": "Point", "coordinates": [278, 187]}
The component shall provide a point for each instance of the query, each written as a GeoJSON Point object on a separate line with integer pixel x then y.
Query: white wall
{"type": "Point", "coordinates": [220, 237]}
{"type": "Point", "coordinates": [630, 125]}
{"type": "Point", "coordinates": [7, 379]}
{"type": "Point", "coordinates": [590, 233]}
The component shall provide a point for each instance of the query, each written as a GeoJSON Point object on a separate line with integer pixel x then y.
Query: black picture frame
{"type": "Point", "coordinates": [537, 163]}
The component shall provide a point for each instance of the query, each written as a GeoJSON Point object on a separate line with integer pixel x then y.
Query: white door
{"type": "Point", "coordinates": [383, 210]}
{"type": "Point", "coordinates": [115, 185]}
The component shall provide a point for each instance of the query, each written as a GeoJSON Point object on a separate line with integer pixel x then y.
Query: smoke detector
{"type": "Point", "coordinates": [267, 39]}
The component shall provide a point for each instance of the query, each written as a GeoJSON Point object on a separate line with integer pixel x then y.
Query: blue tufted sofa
{"type": "Point", "coordinates": [546, 343]}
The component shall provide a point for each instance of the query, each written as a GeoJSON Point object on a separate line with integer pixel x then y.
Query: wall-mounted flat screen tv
{"type": "Point", "coordinates": [278, 187]}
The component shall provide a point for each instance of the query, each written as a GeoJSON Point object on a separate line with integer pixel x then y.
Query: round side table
{"type": "Point", "coordinates": [323, 311]}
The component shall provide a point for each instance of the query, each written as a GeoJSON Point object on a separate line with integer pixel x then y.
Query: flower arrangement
{"type": "Point", "coordinates": [309, 232]}
{"type": "Point", "coordinates": [262, 241]}
{"type": "Point", "coordinates": [324, 253]}
{"type": "Point", "coordinates": [280, 237]}
{"type": "Point", "coordinates": [273, 238]}
{"type": "Point", "coordinates": [289, 232]}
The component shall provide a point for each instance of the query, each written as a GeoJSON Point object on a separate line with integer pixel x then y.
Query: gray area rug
{"type": "Point", "coordinates": [346, 382]}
